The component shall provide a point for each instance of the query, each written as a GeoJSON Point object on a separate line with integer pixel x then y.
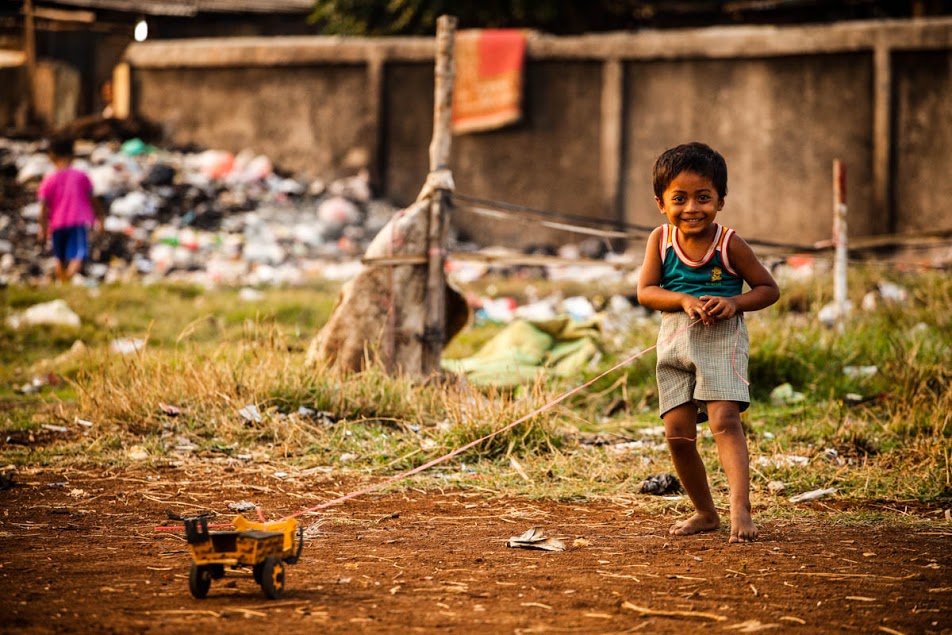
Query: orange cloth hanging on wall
{"type": "Point", "coordinates": [487, 93]}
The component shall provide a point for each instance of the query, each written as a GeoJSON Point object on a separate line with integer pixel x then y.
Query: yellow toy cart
{"type": "Point", "coordinates": [265, 547]}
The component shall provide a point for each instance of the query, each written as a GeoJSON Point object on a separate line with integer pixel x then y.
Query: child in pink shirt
{"type": "Point", "coordinates": [68, 209]}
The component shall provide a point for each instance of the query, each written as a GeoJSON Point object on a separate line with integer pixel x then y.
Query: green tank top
{"type": "Point", "coordinates": [711, 275]}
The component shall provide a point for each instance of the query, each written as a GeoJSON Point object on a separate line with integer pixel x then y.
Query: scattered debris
{"type": "Point", "coordinates": [170, 410]}
{"type": "Point", "coordinates": [126, 345]}
{"type": "Point", "coordinates": [54, 312]}
{"type": "Point", "coordinates": [776, 487]}
{"type": "Point", "coordinates": [830, 314]}
{"type": "Point", "coordinates": [7, 477]}
{"type": "Point", "coordinates": [660, 485]}
{"type": "Point", "coordinates": [242, 506]}
{"type": "Point", "coordinates": [782, 460]}
{"type": "Point", "coordinates": [860, 371]}
{"type": "Point", "coordinates": [815, 494]}
{"type": "Point", "coordinates": [251, 413]}
{"type": "Point", "coordinates": [535, 538]}
{"type": "Point", "coordinates": [785, 394]}
{"type": "Point", "coordinates": [137, 453]}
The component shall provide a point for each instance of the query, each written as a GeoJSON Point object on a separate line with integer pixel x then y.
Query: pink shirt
{"type": "Point", "coordinates": [67, 194]}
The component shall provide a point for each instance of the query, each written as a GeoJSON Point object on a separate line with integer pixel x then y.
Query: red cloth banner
{"type": "Point", "coordinates": [487, 93]}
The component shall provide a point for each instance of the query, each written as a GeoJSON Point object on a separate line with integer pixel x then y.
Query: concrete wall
{"type": "Point", "coordinates": [923, 152]}
{"type": "Point", "coordinates": [309, 120]}
{"type": "Point", "coordinates": [779, 122]}
{"type": "Point", "coordinates": [780, 103]}
{"type": "Point", "coordinates": [12, 107]}
{"type": "Point", "coordinates": [549, 160]}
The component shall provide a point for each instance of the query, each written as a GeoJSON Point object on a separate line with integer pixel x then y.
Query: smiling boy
{"type": "Point", "coordinates": [695, 270]}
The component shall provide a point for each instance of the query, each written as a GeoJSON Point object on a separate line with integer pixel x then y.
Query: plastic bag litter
{"type": "Point", "coordinates": [251, 413]}
{"type": "Point", "coordinates": [126, 345]}
{"type": "Point", "coordinates": [535, 538]}
{"type": "Point", "coordinates": [785, 394]}
{"type": "Point", "coordinates": [55, 312]}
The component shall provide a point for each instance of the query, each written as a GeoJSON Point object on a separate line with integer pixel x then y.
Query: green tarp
{"type": "Point", "coordinates": [525, 349]}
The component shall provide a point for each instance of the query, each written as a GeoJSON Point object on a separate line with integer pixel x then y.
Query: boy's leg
{"type": "Point", "coordinates": [71, 250]}
{"type": "Point", "coordinates": [73, 268]}
{"type": "Point", "coordinates": [680, 428]}
{"type": "Point", "coordinates": [732, 449]}
{"type": "Point", "coordinates": [60, 271]}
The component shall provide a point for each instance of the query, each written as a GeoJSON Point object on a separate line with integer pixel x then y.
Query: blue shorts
{"type": "Point", "coordinates": [69, 243]}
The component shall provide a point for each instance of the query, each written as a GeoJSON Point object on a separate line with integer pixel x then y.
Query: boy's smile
{"type": "Point", "coordinates": [691, 203]}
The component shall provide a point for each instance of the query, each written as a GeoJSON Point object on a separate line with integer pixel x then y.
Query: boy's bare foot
{"type": "Point", "coordinates": [742, 527]}
{"type": "Point", "coordinates": [695, 524]}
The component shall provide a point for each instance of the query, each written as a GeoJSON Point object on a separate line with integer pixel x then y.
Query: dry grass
{"type": "Point", "coordinates": [212, 358]}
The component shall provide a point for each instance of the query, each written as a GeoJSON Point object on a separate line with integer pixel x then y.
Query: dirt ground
{"type": "Point", "coordinates": [79, 554]}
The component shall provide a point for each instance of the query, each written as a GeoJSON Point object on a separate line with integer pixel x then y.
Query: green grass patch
{"type": "Point", "coordinates": [874, 435]}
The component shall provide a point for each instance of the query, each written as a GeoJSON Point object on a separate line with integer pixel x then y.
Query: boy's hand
{"type": "Point", "coordinates": [695, 309]}
{"type": "Point", "coordinates": [719, 308]}
{"type": "Point", "coordinates": [41, 236]}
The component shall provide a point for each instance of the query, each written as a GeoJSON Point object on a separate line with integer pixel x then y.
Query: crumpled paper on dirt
{"type": "Point", "coordinates": [535, 538]}
{"type": "Point", "coordinates": [518, 353]}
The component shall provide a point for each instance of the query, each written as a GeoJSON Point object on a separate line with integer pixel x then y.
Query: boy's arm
{"type": "Point", "coordinates": [652, 296]}
{"type": "Point", "coordinates": [99, 209]}
{"type": "Point", "coordinates": [763, 288]}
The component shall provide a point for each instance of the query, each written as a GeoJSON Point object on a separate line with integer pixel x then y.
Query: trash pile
{"type": "Point", "coordinates": [214, 217]}
{"type": "Point", "coordinates": [206, 216]}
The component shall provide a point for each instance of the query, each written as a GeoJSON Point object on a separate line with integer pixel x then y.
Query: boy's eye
{"type": "Point", "coordinates": [677, 198]}
{"type": "Point", "coordinates": [704, 198]}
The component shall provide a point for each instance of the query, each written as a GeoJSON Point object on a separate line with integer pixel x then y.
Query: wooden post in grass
{"type": "Point", "coordinates": [840, 243]}
{"type": "Point", "coordinates": [29, 50]}
{"type": "Point", "coordinates": [434, 331]}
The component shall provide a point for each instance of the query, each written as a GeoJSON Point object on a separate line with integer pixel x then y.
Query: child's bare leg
{"type": "Point", "coordinates": [680, 427]}
{"type": "Point", "coordinates": [60, 272]}
{"type": "Point", "coordinates": [72, 269]}
{"type": "Point", "coordinates": [732, 449]}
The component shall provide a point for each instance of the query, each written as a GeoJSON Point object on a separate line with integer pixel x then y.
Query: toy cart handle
{"type": "Point", "coordinates": [300, 546]}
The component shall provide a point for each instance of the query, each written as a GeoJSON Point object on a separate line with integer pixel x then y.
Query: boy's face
{"type": "Point", "coordinates": [691, 203]}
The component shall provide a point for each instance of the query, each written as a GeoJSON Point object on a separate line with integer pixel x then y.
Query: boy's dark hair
{"type": "Point", "coordinates": [61, 146]}
{"type": "Point", "coordinates": [693, 157]}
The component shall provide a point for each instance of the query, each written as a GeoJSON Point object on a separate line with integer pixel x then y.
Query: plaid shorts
{"type": "Point", "coordinates": [704, 363]}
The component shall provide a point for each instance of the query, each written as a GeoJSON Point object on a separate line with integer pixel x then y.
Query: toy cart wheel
{"type": "Point", "coordinates": [272, 577]}
{"type": "Point", "coordinates": [199, 580]}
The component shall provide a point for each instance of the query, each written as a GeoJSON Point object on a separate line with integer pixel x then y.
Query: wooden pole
{"type": "Point", "coordinates": [434, 330]}
{"type": "Point", "coordinates": [840, 242]}
{"type": "Point", "coordinates": [122, 91]}
{"type": "Point", "coordinates": [29, 50]}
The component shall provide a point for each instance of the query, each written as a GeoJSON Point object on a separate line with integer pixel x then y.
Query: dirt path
{"type": "Point", "coordinates": [78, 554]}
